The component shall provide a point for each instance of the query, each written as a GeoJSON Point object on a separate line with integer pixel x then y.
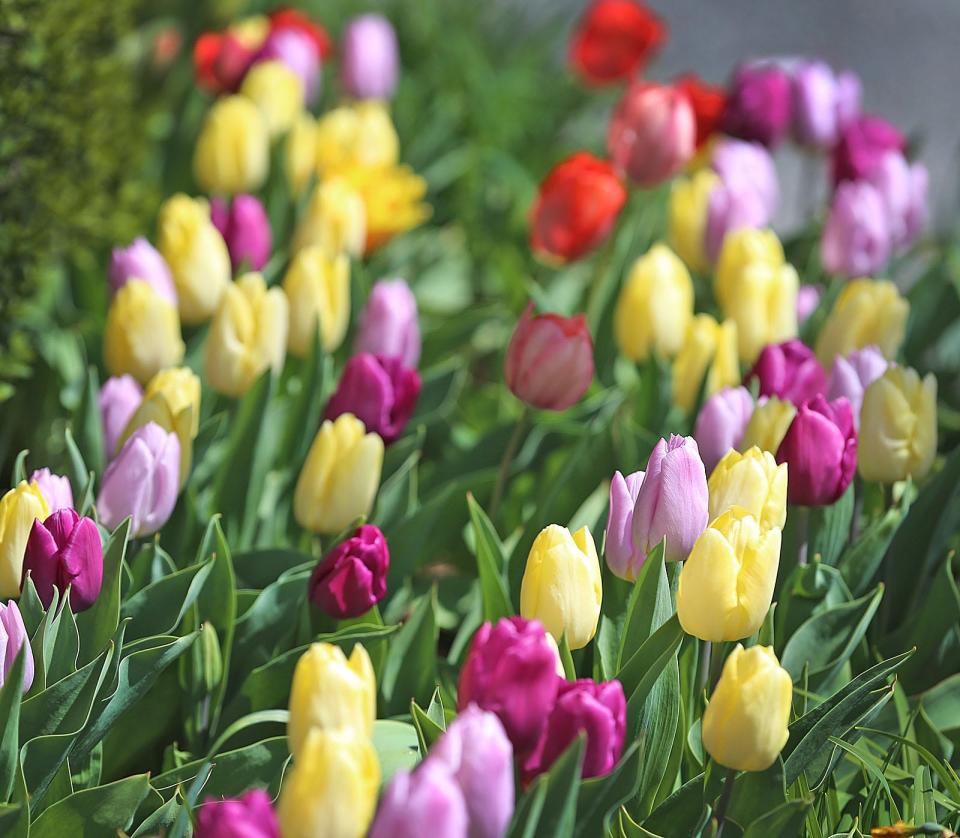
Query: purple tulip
{"type": "Point", "coordinates": [856, 239]}
{"type": "Point", "coordinates": [808, 298]}
{"type": "Point", "coordinates": [918, 210]}
{"type": "Point", "coordinates": [370, 65]}
{"type": "Point", "coordinates": [623, 558]}
{"type": "Point", "coordinates": [721, 424]}
{"type": "Point", "coordinates": [758, 106]}
{"type": "Point", "coordinates": [141, 260]}
{"type": "Point", "coordinates": [245, 228]}
{"type": "Point", "coordinates": [476, 751]}
{"type": "Point", "coordinates": [861, 145]}
{"type": "Point", "coordinates": [511, 670]}
{"type": "Point", "coordinates": [902, 188]}
{"type": "Point", "coordinates": [142, 482]}
{"type": "Point", "coordinates": [790, 371]}
{"type": "Point", "coordinates": [730, 209]}
{"type": "Point", "coordinates": [299, 53]}
{"type": "Point", "coordinates": [13, 638]}
{"type": "Point", "coordinates": [388, 323]}
{"type": "Point", "coordinates": [849, 96]}
{"type": "Point", "coordinates": [823, 103]}
{"type": "Point", "coordinates": [248, 816]}
{"type": "Point", "coordinates": [65, 552]}
{"type": "Point", "coordinates": [820, 448]}
{"type": "Point", "coordinates": [745, 166]}
{"type": "Point", "coordinates": [426, 801]}
{"type": "Point", "coordinates": [352, 577]}
{"type": "Point", "coordinates": [851, 376]}
{"type": "Point", "coordinates": [119, 399]}
{"type": "Point", "coordinates": [55, 489]}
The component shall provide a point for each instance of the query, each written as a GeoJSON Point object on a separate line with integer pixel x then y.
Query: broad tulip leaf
{"type": "Point", "coordinates": [648, 607]}
{"type": "Point", "coordinates": [99, 622]}
{"type": "Point", "coordinates": [490, 564]}
{"type": "Point", "coordinates": [410, 668]}
{"type": "Point", "coordinates": [830, 527]}
{"type": "Point", "coordinates": [397, 747]}
{"type": "Point", "coordinates": [159, 608]}
{"type": "Point", "coordinates": [94, 813]}
{"type": "Point", "coordinates": [11, 694]}
{"type": "Point", "coordinates": [600, 797]}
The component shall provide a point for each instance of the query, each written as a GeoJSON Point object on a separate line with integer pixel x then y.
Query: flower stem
{"type": "Point", "coordinates": [725, 794]}
{"type": "Point", "coordinates": [508, 454]}
{"type": "Point", "coordinates": [803, 533]}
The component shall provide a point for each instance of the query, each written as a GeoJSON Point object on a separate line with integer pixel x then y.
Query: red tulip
{"type": "Point", "coordinates": [220, 61]}
{"type": "Point", "coordinates": [614, 40]}
{"type": "Point", "coordinates": [708, 102]}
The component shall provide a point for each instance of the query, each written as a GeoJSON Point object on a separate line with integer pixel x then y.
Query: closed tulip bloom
{"type": "Point", "coordinates": [13, 638]}
{"type": "Point", "coordinates": [389, 324]}
{"type": "Point", "coordinates": [758, 107]}
{"type": "Point", "coordinates": [851, 376]}
{"type": "Point", "coordinates": [141, 260]}
{"type": "Point", "coordinates": [808, 299]}
{"type": "Point", "coordinates": [867, 313]}
{"type": "Point", "coordinates": [898, 426]}
{"type": "Point", "coordinates": [220, 59]}
{"type": "Point", "coordinates": [352, 577]}
{"type": "Point", "coordinates": [335, 219]}
{"type": "Point", "coordinates": [576, 207]}
{"type": "Point", "coordinates": [708, 102]}
{"type": "Point", "coordinates": [655, 306]}
{"type": "Point", "coordinates": [511, 671]}
{"type": "Point", "coordinates": [142, 333]}
{"type": "Point", "coordinates": [652, 133]}
{"type": "Point", "coordinates": [731, 208]}
{"type": "Point", "coordinates": [248, 816]}
{"type": "Point", "coordinates": [370, 65]}
{"type": "Point", "coordinates": [903, 192]}
{"type": "Point", "coordinates": [768, 424]}
{"type": "Point", "coordinates": [232, 153]}
{"type": "Point", "coordinates": [856, 237]}
{"type": "Point", "coordinates": [331, 790]}
{"type": "Point", "coordinates": [790, 371]}
{"type": "Point", "coordinates": [821, 105]}
{"type": "Point", "coordinates": [361, 134]}
{"type": "Point", "coordinates": [425, 801]}
{"type": "Point", "coordinates": [726, 585]}
{"type": "Point", "coordinates": [300, 153]}
{"type": "Point", "coordinates": [549, 362]}
{"type": "Point", "coordinates": [197, 255]}
{"type": "Point", "coordinates": [392, 201]}
{"type": "Point", "coordinates": [317, 286]}
{"type": "Point", "coordinates": [748, 166]}
{"type": "Point", "coordinates": [709, 352]}
{"type": "Point", "coordinates": [142, 482]}
{"type": "Point", "coordinates": [561, 584]}
{"type": "Point", "coordinates": [687, 221]}
{"type": "Point", "coordinates": [245, 228]}
{"type": "Point", "coordinates": [278, 93]}
{"type": "Point", "coordinates": [119, 399]}
{"type": "Point", "coordinates": [285, 18]}
{"type": "Point", "coordinates": [65, 552]}
{"type": "Point", "coordinates": [721, 424]}
{"type": "Point", "coordinates": [614, 40]}
{"type": "Point", "coordinates": [19, 508]}
{"type": "Point", "coordinates": [861, 145]}
{"type": "Point", "coordinates": [298, 53]}
{"type": "Point", "coordinates": [751, 481]}
{"type": "Point", "coordinates": [745, 724]}
{"type": "Point", "coordinates": [339, 480]}
{"type": "Point", "coordinates": [741, 250]}
{"type": "Point", "coordinates": [55, 488]}
{"type": "Point", "coordinates": [624, 557]}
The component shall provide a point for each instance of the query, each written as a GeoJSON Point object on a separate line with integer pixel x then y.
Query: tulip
{"type": "Point", "coordinates": [245, 229]}
{"type": "Point", "coordinates": [249, 816]}
{"type": "Point", "coordinates": [867, 313]}
{"type": "Point", "coordinates": [13, 638]}
{"type": "Point", "coordinates": [335, 219]}
{"type": "Point", "coordinates": [356, 135]}
{"type": "Point", "coordinates": [331, 692]}
{"type": "Point", "coordinates": [721, 424]}
{"type": "Point", "coordinates": [298, 53]}
{"type": "Point", "coordinates": [142, 333]}
{"type": "Point", "coordinates": [278, 93]}
{"type": "Point", "coordinates": [745, 724]}
{"type": "Point", "coordinates": [339, 479]}
{"type": "Point", "coordinates": [317, 286]}
{"type": "Point", "coordinates": [576, 207]}
{"type": "Point", "coordinates": [856, 236]}
{"type": "Point", "coordinates": [709, 352]}
{"type": "Point", "coordinates": [352, 577]}
{"type": "Point", "coordinates": [19, 508]}
{"type": "Point", "coordinates": [918, 209]}
{"type": "Point", "coordinates": [56, 489]}
{"type": "Point", "coordinates": [426, 801]}
{"type": "Point", "coordinates": [232, 153]}
{"type": "Point", "coordinates": [370, 64]}
{"type": "Point", "coordinates": [687, 223]}
{"type": "Point", "coordinates": [758, 107]}
{"type": "Point", "coordinates": [708, 102]}
{"type": "Point", "coordinates": [286, 19]}
{"type": "Point", "coordinates": [392, 201]}
{"type": "Point", "coordinates": [65, 552]}
{"type": "Point", "coordinates": [821, 449]}
{"type": "Point", "coordinates": [808, 300]}
{"type": "Point", "coordinates": [549, 362]}
{"type": "Point", "coordinates": [903, 191]}
{"type": "Point", "coordinates": [220, 60]}
{"type": "Point", "coordinates": [300, 153]}
{"type": "Point", "coordinates": [852, 375]}
{"type": "Point", "coordinates": [726, 584]}
{"type": "Point", "coordinates": [898, 426]}
{"type": "Point", "coordinates": [655, 306]}
{"type": "Point", "coordinates": [118, 400]}
{"type": "Point", "coordinates": [624, 557]}
{"type": "Point", "coordinates": [751, 481]}
{"type": "Point", "coordinates": [511, 671]}
{"type": "Point", "coordinates": [823, 104]}
{"type": "Point", "coordinates": [788, 371]}
{"type": "Point", "coordinates": [142, 481]}
{"type": "Point", "coordinates": [652, 133]}
{"type": "Point", "coordinates": [477, 753]}
{"type": "Point", "coordinates": [861, 145]}
{"type": "Point", "coordinates": [614, 40]}
{"type": "Point", "coordinates": [331, 791]}
{"type": "Point", "coordinates": [768, 425]}
{"type": "Point", "coordinates": [745, 166]}
{"type": "Point", "coordinates": [388, 323]}
{"type": "Point", "coordinates": [197, 255]}
{"type": "Point", "coordinates": [141, 260]}
{"type": "Point", "coordinates": [561, 584]}
{"type": "Point", "coordinates": [248, 336]}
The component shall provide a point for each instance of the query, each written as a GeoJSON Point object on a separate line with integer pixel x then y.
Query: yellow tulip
{"type": "Point", "coordinates": [233, 150]}
{"type": "Point", "coordinates": [561, 584]}
{"type": "Point", "coordinates": [709, 349]}
{"type": "Point", "coordinates": [745, 724]}
{"type": "Point", "coordinates": [768, 425]}
{"type": "Point", "coordinates": [247, 336]}
{"type": "Point", "coordinates": [251, 31]}
{"type": "Point", "coordinates": [300, 157]}
{"type": "Point", "coordinates": [331, 790]}
{"type": "Point", "coordinates": [335, 219]}
{"type": "Point", "coordinates": [197, 256]}
{"type": "Point", "coordinates": [898, 426]}
{"type": "Point", "coordinates": [142, 333]}
{"type": "Point", "coordinates": [277, 92]}
{"type": "Point", "coordinates": [340, 477]}
{"type": "Point", "coordinates": [392, 199]}
{"type": "Point", "coordinates": [19, 508]}
{"type": "Point", "coordinates": [331, 693]}
{"type": "Point", "coordinates": [726, 584]}
{"type": "Point", "coordinates": [689, 198]}
{"type": "Point", "coordinates": [317, 286]}
{"type": "Point", "coordinates": [753, 481]}
{"type": "Point", "coordinates": [655, 306]}
{"type": "Point", "coordinates": [356, 135]}
{"type": "Point", "coordinates": [867, 313]}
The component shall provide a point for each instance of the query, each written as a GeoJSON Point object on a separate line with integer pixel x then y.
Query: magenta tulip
{"type": "Point", "coordinates": [790, 371]}
{"type": "Point", "coordinates": [758, 105]}
{"type": "Point", "coordinates": [245, 228]}
{"type": "Point", "coordinates": [119, 399]}
{"type": "Point", "coordinates": [856, 238]}
{"type": "Point", "coordinates": [425, 801]}
{"type": "Point", "coordinates": [861, 145]}
{"type": "Point", "coordinates": [248, 816]}
{"type": "Point", "coordinates": [389, 324]}
{"type": "Point", "coordinates": [13, 638]}
{"type": "Point", "coordinates": [352, 577]}
{"type": "Point", "coordinates": [56, 489]}
{"type": "Point", "coordinates": [370, 66]}
{"type": "Point", "coordinates": [141, 260]}
{"type": "Point", "coordinates": [722, 423]}
{"type": "Point", "coordinates": [65, 552]}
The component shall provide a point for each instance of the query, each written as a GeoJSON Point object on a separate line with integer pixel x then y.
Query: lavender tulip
{"type": "Point", "coordinates": [119, 399]}
{"type": "Point", "coordinates": [856, 238]}
{"type": "Point", "coordinates": [903, 189]}
{"type": "Point", "coordinates": [622, 556]}
{"type": "Point", "coordinates": [299, 53]}
{"type": "Point", "coordinates": [141, 260]}
{"type": "Point", "coordinates": [65, 552]}
{"type": "Point", "coordinates": [426, 801]}
{"type": "Point", "coordinates": [388, 323]}
{"type": "Point", "coordinates": [748, 166]}
{"type": "Point", "coordinates": [851, 376]}
{"type": "Point", "coordinates": [808, 298]}
{"type": "Point", "coordinates": [13, 638]}
{"type": "Point", "coordinates": [55, 489]}
{"type": "Point", "coordinates": [721, 424]}
{"type": "Point", "coordinates": [245, 228]}
{"type": "Point", "coordinates": [370, 65]}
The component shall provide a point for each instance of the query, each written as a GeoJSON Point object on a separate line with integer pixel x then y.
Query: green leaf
{"type": "Point", "coordinates": [410, 669]}
{"type": "Point", "coordinates": [659, 717]}
{"type": "Point", "coordinates": [77, 464]}
{"type": "Point", "coordinates": [93, 813]}
{"type": "Point", "coordinates": [641, 672]}
{"type": "Point", "coordinates": [566, 659]}
{"type": "Point", "coordinates": [559, 812]}
{"type": "Point", "coordinates": [600, 797]}
{"type": "Point", "coordinates": [786, 819]}
{"type": "Point", "coordinates": [861, 560]}
{"type": "Point", "coordinates": [528, 811]}
{"type": "Point", "coordinates": [99, 622]}
{"type": "Point", "coordinates": [648, 607]}
{"type": "Point", "coordinates": [491, 562]}
{"type": "Point", "coordinates": [755, 793]}
{"type": "Point", "coordinates": [11, 694]}
{"type": "Point", "coordinates": [397, 747]}
{"type": "Point", "coordinates": [151, 610]}
{"type": "Point", "coordinates": [66, 646]}
{"type": "Point", "coordinates": [830, 527]}
{"type": "Point", "coordinates": [19, 467]}
{"type": "Point", "coordinates": [396, 496]}
{"type": "Point", "coordinates": [430, 723]}
{"type": "Point", "coordinates": [281, 717]}
{"type": "Point", "coordinates": [89, 424]}
{"type": "Point", "coordinates": [258, 568]}
{"type": "Point", "coordinates": [306, 406]}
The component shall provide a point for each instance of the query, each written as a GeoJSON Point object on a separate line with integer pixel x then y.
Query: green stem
{"type": "Point", "coordinates": [725, 794]}
{"type": "Point", "coordinates": [803, 533]}
{"type": "Point", "coordinates": [703, 669]}
{"type": "Point", "coordinates": [508, 454]}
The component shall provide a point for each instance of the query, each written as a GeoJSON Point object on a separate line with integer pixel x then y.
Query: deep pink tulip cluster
{"type": "Point", "coordinates": [243, 222]}
{"type": "Point", "coordinates": [790, 371]}
{"type": "Point", "coordinates": [65, 552]}
{"type": "Point", "coordinates": [352, 577]}
{"type": "Point", "coordinates": [250, 815]}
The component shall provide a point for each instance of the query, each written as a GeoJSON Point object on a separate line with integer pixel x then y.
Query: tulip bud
{"type": "Point", "coordinates": [13, 639]}
{"type": "Point", "coordinates": [197, 255]}
{"type": "Point", "coordinates": [300, 153]}
{"type": "Point", "coordinates": [655, 306]}
{"type": "Point", "coordinates": [726, 584]}
{"type": "Point", "coordinates": [370, 64]}
{"type": "Point", "coordinates": [758, 107]}
{"type": "Point", "coordinates": [751, 481]}
{"type": "Point", "coordinates": [709, 351]}
{"type": "Point", "coordinates": [426, 801]}
{"type": "Point", "coordinates": [852, 375]}
{"type": "Point", "coordinates": [335, 219]}
{"type": "Point", "coordinates": [141, 260]}
{"type": "Point", "coordinates": [65, 552]}
{"type": "Point", "coordinates": [19, 508]}
{"type": "Point", "coordinates": [142, 481]}
{"type": "Point", "coordinates": [745, 724]}
{"type": "Point", "coordinates": [898, 426]}
{"type": "Point", "coordinates": [232, 153]}
{"type": "Point", "coordinates": [220, 59]}
{"type": "Point", "coordinates": [614, 40]}
{"type": "Point", "coordinates": [856, 236]}
{"type": "Point", "coordinates": [561, 584]}
{"type": "Point", "coordinates": [624, 557]}
{"type": "Point", "coordinates": [768, 425]}
{"type": "Point", "coordinates": [689, 203]}
{"type": "Point", "coordinates": [511, 670]}
{"type": "Point", "coordinates": [721, 424]}
{"type": "Point", "coordinates": [356, 135]}
{"type": "Point", "coordinates": [867, 313]}
{"type": "Point", "coordinates": [248, 335]}
{"type": "Point", "coordinates": [331, 791]}
{"type": "Point", "coordinates": [56, 490]}
{"type": "Point", "coordinates": [339, 479]}
{"type": "Point", "coordinates": [352, 577]}
{"type": "Point", "coordinates": [708, 102]}
{"type": "Point", "coordinates": [318, 288]}
{"type": "Point", "coordinates": [142, 333]}
{"type": "Point", "coordinates": [576, 207]}
{"type": "Point", "coordinates": [250, 815]}
{"type": "Point", "coordinates": [549, 362]}
{"type": "Point", "coordinates": [808, 299]}
{"type": "Point", "coordinates": [119, 399]}
{"type": "Point", "coordinates": [652, 133]}
{"type": "Point", "coordinates": [788, 371]}
{"type": "Point", "coordinates": [245, 229]}
{"type": "Point", "coordinates": [389, 324]}
{"type": "Point", "coordinates": [278, 93]}
{"type": "Point", "coordinates": [862, 142]}
{"type": "Point", "coordinates": [298, 54]}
